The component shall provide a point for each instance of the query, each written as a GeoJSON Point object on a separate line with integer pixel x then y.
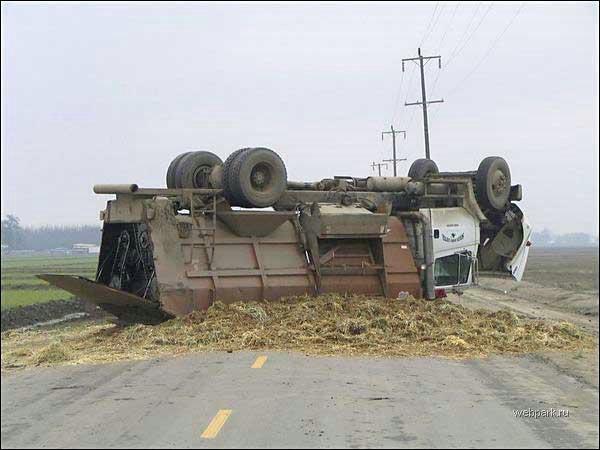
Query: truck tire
{"type": "Point", "coordinates": [256, 178]}
{"type": "Point", "coordinates": [225, 181]}
{"type": "Point", "coordinates": [492, 183]}
{"type": "Point", "coordinates": [422, 168]}
{"type": "Point", "coordinates": [172, 168]}
{"type": "Point", "coordinates": [193, 170]}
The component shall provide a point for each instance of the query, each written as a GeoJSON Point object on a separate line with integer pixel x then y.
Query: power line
{"type": "Point", "coordinates": [378, 165]}
{"type": "Point", "coordinates": [471, 35]}
{"type": "Point", "coordinates": [434, 23]}
{"type": "Point", "coordinates": [458, 49]}
{"type": "Point", "coordinates": [439, 47]}
{"type": "Point", "coordinates": [393, 133]}
{"type": "Point", "coordinates": [460, 41]}
{"type": "Point", "coordinates": [425, 35]}
{"type": "Point", "coordinates": [422, 60]}
{"type": "Point", "coordinates": [489, 50]}
{"type": "Point", "coordinates": [397, 100]}
{"type": "Point", "coordinates": [428, 30]}
{"type": "Point", "coordinates": [463, 36]}
{"type": "Point", "coordinates": [458, 86]}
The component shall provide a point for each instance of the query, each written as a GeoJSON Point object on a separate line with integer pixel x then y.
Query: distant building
{"type": "Point", "coordinates": [85, 249]}
{"type": "Point", "coordinates": [59, 251]}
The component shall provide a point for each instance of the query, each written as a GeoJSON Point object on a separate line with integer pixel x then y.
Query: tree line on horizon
{"type": "Point", "coordinates": [47, 237]}
{"type": "Point", "coordinates": [546, 238]}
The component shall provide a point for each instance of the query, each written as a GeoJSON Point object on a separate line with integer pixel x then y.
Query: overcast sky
{"type": "Point", "coordinates": [111, 93]}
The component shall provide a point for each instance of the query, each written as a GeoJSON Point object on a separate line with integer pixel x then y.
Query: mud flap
{"type": "Point", "coordinates": [119, 303]}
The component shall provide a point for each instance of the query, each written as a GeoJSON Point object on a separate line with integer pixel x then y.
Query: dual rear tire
{"type": "Point", "coordinates": [250, 177]}
{"type": "Point", "coordinates": [192, 170]}
{"type": "Point", "coordinates": [254, 178]}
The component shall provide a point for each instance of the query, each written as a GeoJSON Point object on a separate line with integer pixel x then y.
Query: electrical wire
{"type": "Point", "coordinates": [470, 35]}
{"type": "Point", "coordinates": [434, 24]}
{"type": "Point", "coordinates": [489, 50]}
{"type": "Point", "coordinates": [439, 46]}
{"type": "Point", "coordinates": [427, 31]}
{"type": "Point", "coordinates": [466, 32]}
{"type": "Point", "coordinates": [397, 100]}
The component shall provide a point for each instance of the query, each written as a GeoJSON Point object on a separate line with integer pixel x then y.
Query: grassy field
{"type": "Point", "coordinates": [20, 287]}
{"type": "Point", "coordinates": [572, 269]}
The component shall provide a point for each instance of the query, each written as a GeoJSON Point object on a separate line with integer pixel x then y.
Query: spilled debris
{"type": "Point", "coordinates": [326, 325]}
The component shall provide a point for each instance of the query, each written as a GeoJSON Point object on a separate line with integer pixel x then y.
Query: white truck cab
{"type": "Point", "coordinates": [456, 248]}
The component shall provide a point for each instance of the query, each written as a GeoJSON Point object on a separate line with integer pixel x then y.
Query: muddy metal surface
{"type": "Point", "coordinates": [298, 401]}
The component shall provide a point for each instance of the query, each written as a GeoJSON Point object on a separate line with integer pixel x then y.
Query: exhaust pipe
{"type": "Point", "coordinates": [115, 188]}
{"type": "Point", "coordinates": [427, 250]}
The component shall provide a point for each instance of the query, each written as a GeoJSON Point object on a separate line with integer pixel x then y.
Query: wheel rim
{"type": "Point", "coordinates": [260, 177]}
{"type": "Point", "coordinates": [498, 184]}
{"type": "Point", "coordinates": [201, 176]}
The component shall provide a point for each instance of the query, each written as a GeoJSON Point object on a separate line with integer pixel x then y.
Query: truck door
{"type": "Point", "coordinates": [504, 250]}
{"type": "Point", "coordinates": [455, 243]}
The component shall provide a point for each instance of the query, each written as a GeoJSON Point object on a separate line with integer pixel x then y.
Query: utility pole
{"type": "Point", "coordinates": [422, 60]}
{"type": "Point", "coordinates": [397, 160]}
{"type": "Point", "coordinates": [393, 133]}
{"type": "Point", "coordinates": [378, 165]}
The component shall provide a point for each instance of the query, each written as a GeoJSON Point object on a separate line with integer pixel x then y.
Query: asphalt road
{"type": "Point", "coordinates": [217, 400]}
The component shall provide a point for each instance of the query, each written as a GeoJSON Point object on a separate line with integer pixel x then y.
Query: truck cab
{"type": "Point", "coordinates": [460, 254]}
{"type": "Point", "coordinates": [455, 234]}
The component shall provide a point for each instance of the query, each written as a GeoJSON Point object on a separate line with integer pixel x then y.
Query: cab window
{"type": "Point", "coordinates": [452, 270]}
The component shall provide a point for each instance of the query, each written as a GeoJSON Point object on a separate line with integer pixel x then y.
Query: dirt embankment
{"type": "Point", "coordinates": [41, 312]}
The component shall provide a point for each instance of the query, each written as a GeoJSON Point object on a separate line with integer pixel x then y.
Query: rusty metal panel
{"type": "Point", "coordinates": [348, 266]}
{"type": "Point", "coordinates": [237, 268]}
{"type": "Point", "coordinates": [207, 255]}
{"type": "Point", "coordinates": [401, 272]}
{"type": "Point", "coordinates": [354, 220]}
{"type": "Point", "coordinates": [254, 223]}
{"type": "Point", "coordinates": [209, 264]}
{"type": "Point", "coordinates": [370, 266]}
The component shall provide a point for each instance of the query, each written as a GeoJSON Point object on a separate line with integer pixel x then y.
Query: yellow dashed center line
{"type": "Point", "coordinates": [216, 424]}
{"type": "Point", "coordinates": [260, 361]}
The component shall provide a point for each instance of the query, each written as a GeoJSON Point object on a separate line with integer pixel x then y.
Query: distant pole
{"type": "Point", "coordinates": [397, 160]}
{"type": "Point", "coordinates": [393, 133]}
{"type": "Point", "coordinates": [424, 101]}
{"type": "Point", "coordinates": [378, 165]}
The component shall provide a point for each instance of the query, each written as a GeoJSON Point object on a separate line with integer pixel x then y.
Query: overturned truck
{"type": "Point", "coordinates": [239, 230]}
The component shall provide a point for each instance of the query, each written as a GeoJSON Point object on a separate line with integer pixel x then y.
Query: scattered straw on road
{"type": "Point", "coordinates": [327, 325]}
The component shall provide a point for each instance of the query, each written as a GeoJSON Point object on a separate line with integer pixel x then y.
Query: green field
{"type": "Point", "coordinates": [20, 286]}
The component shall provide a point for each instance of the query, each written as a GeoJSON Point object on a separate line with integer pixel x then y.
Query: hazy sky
{"type": "Point", "coordinates": [111, 93]}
